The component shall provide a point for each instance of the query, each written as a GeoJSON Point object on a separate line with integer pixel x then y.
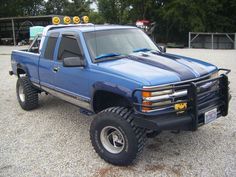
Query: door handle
{"type": "Point", "coordinates": [56, 69]}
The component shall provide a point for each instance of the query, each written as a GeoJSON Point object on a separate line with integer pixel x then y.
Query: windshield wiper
{"type": "Point", "coordinates": [107, 55]}
{"type": "Point", "coordinates": [142, 50]}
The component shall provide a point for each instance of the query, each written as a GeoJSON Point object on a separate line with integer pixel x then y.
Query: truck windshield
{"type": "Point", "coordinates": [119, 41]}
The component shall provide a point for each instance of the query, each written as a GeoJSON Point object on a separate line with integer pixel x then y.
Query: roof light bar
{"type": "Point", "coordinates": [67, 20]}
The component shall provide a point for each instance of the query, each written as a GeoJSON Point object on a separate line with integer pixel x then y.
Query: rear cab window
{"type": "Point", "coordinates": [34, 47]}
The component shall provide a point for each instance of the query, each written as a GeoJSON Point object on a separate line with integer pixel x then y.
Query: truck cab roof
{"type": "Point", "coordinates": [86, 27]}
{"type": "Point", "coordinates": [79, 28]}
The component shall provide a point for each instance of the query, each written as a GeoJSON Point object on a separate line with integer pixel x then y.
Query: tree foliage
{"type": "Point", "coordinates": [174, 18]}
{"type": "Point", "coordinates": [9, 8]}
{"type": "Point", "coordinates": [56, 7]}
{"type": "Point", "coordinates": [78, 7]}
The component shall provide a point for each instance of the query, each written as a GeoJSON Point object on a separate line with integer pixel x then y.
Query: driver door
{"type": "Point", "coordinates": [72, 82]}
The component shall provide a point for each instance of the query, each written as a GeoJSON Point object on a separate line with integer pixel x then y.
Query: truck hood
{"type": "Point", "coordinates": [155, 68]}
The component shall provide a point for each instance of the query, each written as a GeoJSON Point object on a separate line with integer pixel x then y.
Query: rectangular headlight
{"type": "Point", "coordinates": [160, 98]}
{"type": "Point", "coordinates": [214, 75]}
{"type": "Point", "coordinates": [156, 93]}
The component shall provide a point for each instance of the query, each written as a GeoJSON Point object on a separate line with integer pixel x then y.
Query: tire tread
{"type": "Point", "coordinates": [31, 94]}
{"type": "Point", "coordinates": [125, 114]}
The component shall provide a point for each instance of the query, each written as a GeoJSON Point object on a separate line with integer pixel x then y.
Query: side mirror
{"type": "Point", "coordinates": [73, 62]}
{"type": "Point", "coordinates": [163, 49]}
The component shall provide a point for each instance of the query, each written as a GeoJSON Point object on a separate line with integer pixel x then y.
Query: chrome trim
{"type": "Point", "coordinates": [76, 100]}
{"type": "Point", "coordinates": [156, 110]}
{"type": "Point", "coordinates": [26, 52]}
{"type": "Point", "coordinates": [163, 92]}
{"type": "Point", "coordinates": [208, 85]}
{"type": "Point", "coordinates": [35, 84]}
{"type": "Point", "coordinates": [166, 97]}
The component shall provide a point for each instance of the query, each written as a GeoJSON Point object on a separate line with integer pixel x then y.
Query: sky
{"type": "Point", "coordinates": [92, 6]}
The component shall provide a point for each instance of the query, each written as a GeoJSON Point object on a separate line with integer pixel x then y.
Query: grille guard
{"type": "Point", "coordinates": [195, 107]}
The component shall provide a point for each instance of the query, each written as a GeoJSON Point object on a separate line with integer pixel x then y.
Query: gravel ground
{"type": "Point", "coordinates": [54, 139]}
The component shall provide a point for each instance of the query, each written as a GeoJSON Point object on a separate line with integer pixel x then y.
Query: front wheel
{"type": "Point", "coordinates": [114, 136]}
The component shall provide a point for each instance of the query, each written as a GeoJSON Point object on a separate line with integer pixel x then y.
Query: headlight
{"type": "Point", "coordinates": [157, 93]}
{"type": "Point", "coordinates": [148, 95]}
{"type": "Point", "coordinates": [159, 99]}
{"type": "Point", "coordinates": [214, 75]}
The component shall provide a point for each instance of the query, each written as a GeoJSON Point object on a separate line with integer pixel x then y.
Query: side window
{"type": "Point", "coordinates": [69, 47]}
{"type": "Point", "coordinates": [50, 46]}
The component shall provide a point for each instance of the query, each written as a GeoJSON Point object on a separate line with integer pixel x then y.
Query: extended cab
{"type": "Point", "coordinates": [118, 73]}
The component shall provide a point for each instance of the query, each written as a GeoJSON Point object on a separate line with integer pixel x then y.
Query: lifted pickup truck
{"type": "Point", "coordinates": [118, 73]}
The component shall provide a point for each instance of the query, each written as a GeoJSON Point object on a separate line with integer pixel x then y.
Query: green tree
{"type": "Point", "coordinates": [180, 16]}
{"type": "Point", "coordinates": [78, 7]}
{"type": "Point", "coordinates": [96, 18]}
{"type": "Point", "coordinates": [12, 8]}
{"type": "Point", "coordinates": [142, 9]}
{"type": "Point", "coordinates": [220, 15]}
{"type": "Point", "coordinates": [174, 18]}
{"type": "Point", "coordinates": [114, 11]}
{"type": "Point", "coordinates": [56, 7]}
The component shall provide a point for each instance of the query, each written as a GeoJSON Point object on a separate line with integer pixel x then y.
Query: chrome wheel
{"type": "Point", "coordinates": [112, 139]}
{"type": "Point", "coordinates": [21, 93]}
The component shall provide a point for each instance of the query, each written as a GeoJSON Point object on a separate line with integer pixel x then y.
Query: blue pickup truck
{"type": "Point", "coordinates": [133, 86]}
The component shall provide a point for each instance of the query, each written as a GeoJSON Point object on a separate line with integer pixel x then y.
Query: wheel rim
{"type": "Point", "coordinates": [112, 139]}
{"type": "Point", "coordinates": [21, 93]}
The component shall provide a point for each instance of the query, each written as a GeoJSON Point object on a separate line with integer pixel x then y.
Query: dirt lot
{"type": "Point", "coordinates": [54, 139]}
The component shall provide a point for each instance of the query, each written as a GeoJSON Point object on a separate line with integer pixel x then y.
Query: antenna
{"type": "Point", "coordinates": [95, 36]}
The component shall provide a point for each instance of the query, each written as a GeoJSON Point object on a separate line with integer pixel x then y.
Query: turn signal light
{"type": "Point", "coordinates": [146, 94]}
{"type": "Point", "coordinates": [146, 103]}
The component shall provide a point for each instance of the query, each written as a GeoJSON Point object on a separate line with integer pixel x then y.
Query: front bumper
{"type": "Point", "coordinates": [193, 116]}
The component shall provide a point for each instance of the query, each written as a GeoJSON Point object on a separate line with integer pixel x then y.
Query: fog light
{"type": "Point", "coordinates": [76, 19]}
{"type": "Point", "coordinates": [85, 19]}
{"type": "Point", "coordinates": [55, 20]}
{"type": "Point", "coordinates": [180, 106]}
{"type": "Point", "coordinates": [67, 19]}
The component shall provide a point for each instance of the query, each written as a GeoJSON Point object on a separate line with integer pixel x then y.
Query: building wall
{"type": "Point", "coordinates": [21, 29]}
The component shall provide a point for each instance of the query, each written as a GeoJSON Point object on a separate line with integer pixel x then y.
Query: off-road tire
{"type": "Point", "coordinates": [30, 94]}
{"type": "Point", "coordinates": [134, 137]}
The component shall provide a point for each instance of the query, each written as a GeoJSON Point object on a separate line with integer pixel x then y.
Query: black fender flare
{"type": "Point", "coordinates": [22, 67]}
{"type": "Point", "coordinates": [112, 88]}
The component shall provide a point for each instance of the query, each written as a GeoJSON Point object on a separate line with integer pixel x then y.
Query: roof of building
{"type": "Point", "coordinates": [29, 17]}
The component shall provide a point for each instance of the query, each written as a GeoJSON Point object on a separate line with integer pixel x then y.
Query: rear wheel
{"type": "Point", "coordinates": [27, 95]}
{"type": "Point", "coordinates": [114, 136]}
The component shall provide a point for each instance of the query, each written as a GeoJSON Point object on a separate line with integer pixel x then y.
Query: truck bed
{"type": "Point", "coordinates": [28, 61]}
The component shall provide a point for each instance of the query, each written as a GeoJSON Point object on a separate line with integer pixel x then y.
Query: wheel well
{"type": "Point", "coordinates": [105, 99]}
{"type": "Point", "coordinates": [20, 72]}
